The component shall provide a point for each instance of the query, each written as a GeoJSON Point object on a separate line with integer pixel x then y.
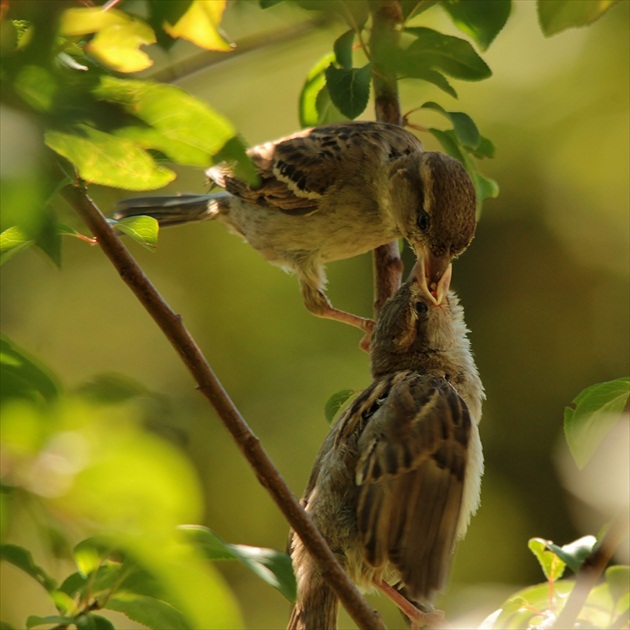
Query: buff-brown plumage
{"type": "Point", "coordinates": [398, 476]}
{"type": "Point", "coordinates": [333, 192]}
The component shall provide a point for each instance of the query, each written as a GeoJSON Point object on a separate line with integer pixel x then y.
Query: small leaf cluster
{"type": "Point", "coordinates": [67, 69]}
{"type": "Point", "coordinates": [84, 461]}
{"type": "Point", "coordinates": [337, 89]}
{"type": "Point", "coordinates": [539, 606]}
{"type": "Point", "coordinates": [596, 410]}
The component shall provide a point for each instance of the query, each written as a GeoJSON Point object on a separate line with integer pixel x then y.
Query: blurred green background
{"type": "Point", "coordinates": [545, 287]}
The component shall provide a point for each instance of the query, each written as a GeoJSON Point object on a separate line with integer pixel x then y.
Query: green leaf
{"type": "Point", "coordinates": [618, 580]}
{"type": "Point", "coordinates": [90, 554]}
{"type": "Point", "coordinates": [22, 559]}
{"type": "Point", "coordinates": [574, 554]}
{"type": "Point", "coordinates": [118, 46]}
{"type": "Point", "coordinates": [187, 581]}
{"type": "Point", "coordinates": [73, 584]}
{"type": "Point", "coordinates": [64, 603]}
{"type": "Point", "coordinates": [79, 21]}
{"type": "Point", "coordinates": [5, 626]}
{"type": "Point", "coordinates": [200, 24]}
{"type": "Point", "coordinates": [144, 230]}
{"type": "Point", "coordinates": [539, 606]}
{"type": "Point", "coordinates": [557, 15]}
{"type": "Point", "coordinates": [315, 81]}
{"type": "Point", "coordinates": [177, 124]}
{"type": "Point", "coordinates": [529, 607]}
{"type": "Point", "coordinates": [234, 151]}
{"type": "Point", "coordinates": [117, 40]}
{"type": "Point", "coordinates": [37, 87]}
{"type": "Point", "coordinates": [451, 55]}
{"type": "Point", "coordinates": [34, 620]}
{"type": "Point", "coordinates": [109, 388]}
{"type": "Point", "coordinates": [595, 411]}
{"type": "Point", "coordinates": [273, 567]}
{"type": "Point", "coordinates": [349, 89]}
{"type": "Point", "coordinates": [93, 622]}
{"type": "Point", "coordinates": [552, 566]}
{"type": "Point", "coordinates": [480, 19]}
{"type": "Point", "coordinates": [485, 149]}
{"type": "Point", "coordinates": [149, 611]}
{"type": "Point", "coordinates": [415, 71]}
{"type": "Point", "coordinates": [104, 159]}
{"type": "Point", "coordinates": [22, 376]}
{"type": "Point", "coordinates": [315, 105]}
{"type": "Point", "coordinates": [450, 143]}
{"type": "Point", "coordinates": [463, 124]}
{"type": "Point", "coordinates": [49, 238]}
{"type": "Point", "coordinates": [327, 111]}
{"type": "Point", "coordinates": [13, 240]}
{"type": "Point", "coordinates": [335, 402]}
{"type": "Point", "coordinates": [343, 49]}
{"type": "Point", "coordinates": [411, 8]}
{"type": "Point", "coordinates": [485, 187]}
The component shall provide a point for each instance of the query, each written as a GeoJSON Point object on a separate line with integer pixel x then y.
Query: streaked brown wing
{"type": "Point", "coordinates": [413, 456]}
{"type": "Point", "coordinates": [297, 171]}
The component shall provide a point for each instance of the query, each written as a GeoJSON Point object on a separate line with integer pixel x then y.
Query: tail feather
{"type": "Point", "coordinates": [171, 210]}
{"type": "Point", "coordinates": [315, 610]}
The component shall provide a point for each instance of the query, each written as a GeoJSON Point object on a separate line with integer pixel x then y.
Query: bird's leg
{"type": "Point", "coordinates": [388, 270]}
{"type": "Point", "coordinates": [317, 303]}
{"type": "Point", "coordinates": [328, 311]}
{"type": "Point", "coordinates": [419, 619]}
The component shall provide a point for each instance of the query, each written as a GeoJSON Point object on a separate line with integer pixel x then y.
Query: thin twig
{"type": "Point", "coordinates": [173, 328]}
{"type": "Point", "coordinates": [591, 571]}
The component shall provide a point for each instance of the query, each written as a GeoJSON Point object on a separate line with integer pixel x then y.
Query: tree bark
{"type": "Point", "coordinates": [387, 19]}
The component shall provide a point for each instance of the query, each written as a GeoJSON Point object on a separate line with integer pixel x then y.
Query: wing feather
{"type": "Point", "coordinates": [298, 170]}
{"type": "Point", "coordinates": [412, 462]}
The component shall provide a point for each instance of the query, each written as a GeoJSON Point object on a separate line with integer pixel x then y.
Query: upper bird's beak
{"type": "Point", "coordinates": [434, 275]}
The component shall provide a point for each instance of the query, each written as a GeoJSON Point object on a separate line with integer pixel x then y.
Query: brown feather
{"type": "Point", "coordinates": [410, 473]}
{"type": "Point", "coordinates": [298, 170]}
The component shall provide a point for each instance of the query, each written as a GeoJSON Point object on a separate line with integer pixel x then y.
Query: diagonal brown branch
{"type": "Point", "coordinates": [173, 328]}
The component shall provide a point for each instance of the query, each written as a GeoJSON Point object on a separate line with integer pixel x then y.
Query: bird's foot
{"type": "Point", "coordinates": [330, 312]}
{"type": "Point", "coordinates": [419, 618]}
{"type": "Point", "coordinates": [366, 340]}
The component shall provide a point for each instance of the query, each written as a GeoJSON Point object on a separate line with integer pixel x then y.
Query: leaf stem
{"type": "Point", "coordinates": [208, 384]}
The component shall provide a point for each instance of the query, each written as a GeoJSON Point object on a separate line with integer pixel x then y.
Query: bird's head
{"type": "Point", "coordinates": [434, 205]}
{"type": "Point", "coordinates": [412, 329]}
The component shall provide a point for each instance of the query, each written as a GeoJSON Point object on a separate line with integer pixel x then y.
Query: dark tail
{"type": "Point", "coordinates": [316, 609]}
{"type": "Point", "coordinates": [171, 210]}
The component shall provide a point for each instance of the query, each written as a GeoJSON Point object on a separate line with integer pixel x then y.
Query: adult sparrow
{"type": "Point", "coordinates": [333, 192]}
{"type": "Point", "coordinates": [398, 476]}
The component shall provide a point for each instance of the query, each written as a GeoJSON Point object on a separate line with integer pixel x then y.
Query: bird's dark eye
{"type": "Point", "coordinates": [421, 308]}
{"type": "Point", "coordinates": [424, 220]}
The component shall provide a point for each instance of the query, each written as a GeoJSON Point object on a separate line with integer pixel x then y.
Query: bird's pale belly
{"type": "Point", "coordinates": [282, 238]}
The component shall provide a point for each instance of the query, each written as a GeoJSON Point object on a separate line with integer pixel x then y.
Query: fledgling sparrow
{"type": "Point", "coordinates": [398, 477]}
{"type": "Point", "coordinates": [333, 192]}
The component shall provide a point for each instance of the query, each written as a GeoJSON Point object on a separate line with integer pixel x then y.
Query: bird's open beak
{"type": "Point", "coordinates": [434, 275]}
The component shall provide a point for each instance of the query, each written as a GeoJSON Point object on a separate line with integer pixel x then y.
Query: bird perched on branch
{"type": "Point", "coordinates": [334, 192]}
{"type": "Point", "coordinates": [398, 476]}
